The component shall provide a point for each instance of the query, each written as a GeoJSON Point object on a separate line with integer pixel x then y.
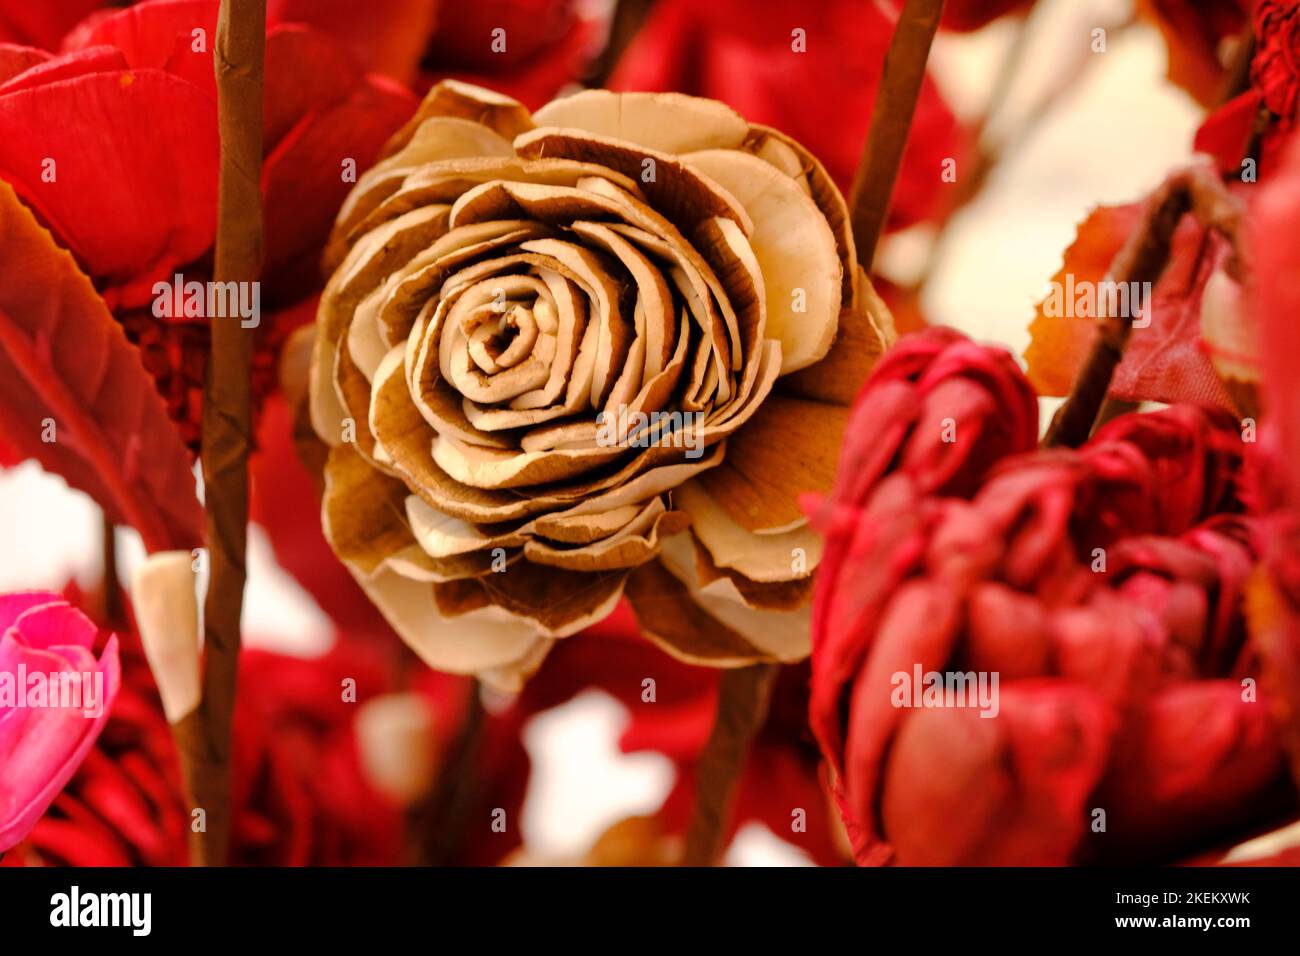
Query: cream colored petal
{"type": "Point", "coordinates": [484, 641]}
{"type": "Point", "coordinates": [775, 147]}
{"type": "Point", "coordinates": [167, 615]}
{"type": "Point", "coordinates": [671, 122]}
{"type": "Point", "coordinates": [442, 536]}
{"type": "Point", "coordinates": [784, 635]}
{"type": "Point", "coordinates": [454, 98]}
{"type": "Point", "coordinates": [795, 248]}
{"type": "Point", "coordinates": [435, 139]}
{"type": "Point", "coordinates": [759, 557]}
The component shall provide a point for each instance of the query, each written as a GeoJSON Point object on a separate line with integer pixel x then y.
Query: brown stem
{"type": "Point", "coordinates": [891, 121]}
{"type": "Point", "coordinates": [239, 60]}
{"type": "Point", "coordinates": [114, 615]}
{"type": "Point", "coordinates": [743, 698]}
{"type": "Point", "coordinates": [1236, 79]}
{"type": "Point", "coordinates": [1143, 259]}
{"type": "Point", "coordinates": [624, 24]}
{"type": "Point", "coordinates": [439, 824]}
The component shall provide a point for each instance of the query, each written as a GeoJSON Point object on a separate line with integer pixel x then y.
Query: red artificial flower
{"type": "Point", "coordinates": [1275, 87]}
{"type": "Point", "coordinates": [1094, 598]}
{"type": "Point", "coordinates": [41, 24]}
{"type": "Point", "coordinates": [1275, 608]}
{"type": "Point", "coordinates": [545, 45]}
{"type": "Point", "coordinates": [810, 70]}
{"type": "Point", "coordinates": [527, 49]}
{"type": "Point", "coordinates": [137, 88]}
{"type": "Point", "coordinates": [1275, 69]}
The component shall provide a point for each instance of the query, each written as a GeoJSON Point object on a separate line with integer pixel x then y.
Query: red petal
{"type": "Point", "coordinates": [303, 178]}
{"type": "Point", "coordinates": [1225, 131]}
{"type": "Point", "coordinates": [305, 70]}
{"type": "Point", "coordinates": [390, 38]}
{"type": "Point", "coordinates": [161, 35]}
{"type": "Point", "coordinates": [97, 59]}
{"type": "Point", "coordinates": [15, 59]}
{"type": "Point", "coordinates": [155, 142]}
{"type": "Point", "coordinates": [43, 23]}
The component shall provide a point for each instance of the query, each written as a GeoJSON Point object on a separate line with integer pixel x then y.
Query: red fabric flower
{"type": "Point", "coordinates": [1275, 84]}
{"type": "Point", "coordinates": [1275, 70]}
{"type": "Point", "coordinates": [41, 24]}
{"type": "Point", "coordinates": [527, 49]}
{"type": "Point", "coordinates": [137, 86]}
{"type": "Point", "coordinates": [810, 70]}
{"type": "Point", "coordinates": [1102, 588]}
{"type": "Point", "coordinates": [1275, 607]}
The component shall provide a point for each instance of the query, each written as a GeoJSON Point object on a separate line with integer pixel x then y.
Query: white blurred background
{"type": "Point", "coordinates": [1108, 139]}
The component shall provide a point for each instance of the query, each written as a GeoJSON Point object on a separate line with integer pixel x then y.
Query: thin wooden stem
{"type": "Point", "coordinates": [891, 122]}
{"type": "Point", "coordinates": [743, 698]}
{"type": "Point", "coordinates": [239, 55]}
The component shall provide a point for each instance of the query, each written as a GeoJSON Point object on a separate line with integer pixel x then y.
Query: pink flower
{"type": "Point", "coordinates": [55, 697]}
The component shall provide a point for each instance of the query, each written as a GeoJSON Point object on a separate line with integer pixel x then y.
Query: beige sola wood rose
{"type": "Point", "coordinates": [593, 351]}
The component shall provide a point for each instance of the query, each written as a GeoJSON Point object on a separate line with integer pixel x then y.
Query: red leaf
{"type": "Point", "coordinates": [1163, 362]}
{"type": "Point", "coordinates": [1058, 346]}
{"type": "Point", "coordinates": [97, 59]}
{"type": "Point", "coordinates": [64, 358]}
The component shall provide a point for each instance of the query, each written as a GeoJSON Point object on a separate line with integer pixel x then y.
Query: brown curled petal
{"type": "Point", "coordinates": [780, 555]}
{"type": "Point", "coordinates": [729, 583]}
{"type": "Point", "coordinates": [779, 635]}
{"type": "Point", "coordinates": [633, 545]}
{"type": "Point", "coordinates": [555, 601]}
{"type": "Point", "coordinates": [360, 523]}
{"type": "Point", "coordinates": [797, 255]}
{"type": "Point", "coordinates": [788, 447]}
{"type": "Point", "coordinates": [861, 338]}
{"type": "Point", "coordinates": [435, 139]}
{"type": "Point", "coordinates": [681, 627]}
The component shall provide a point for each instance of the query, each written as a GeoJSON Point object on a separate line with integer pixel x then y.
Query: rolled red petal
{"type": "Point", "coordinates": [962, 789]}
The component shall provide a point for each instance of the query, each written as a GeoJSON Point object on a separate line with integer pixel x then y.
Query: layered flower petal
{"type": "Point", "coordinates": [541, 336]}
